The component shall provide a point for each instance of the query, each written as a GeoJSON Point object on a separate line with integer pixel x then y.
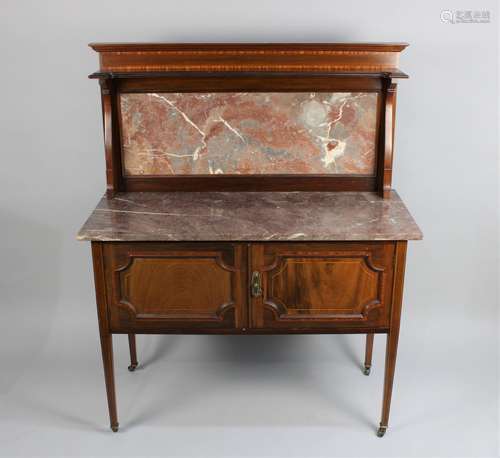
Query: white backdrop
{"type": "Point", "coordinates": [298, 396]}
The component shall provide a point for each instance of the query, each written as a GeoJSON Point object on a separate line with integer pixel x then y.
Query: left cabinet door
{"type": "Point", "coordinates": [175, 286]}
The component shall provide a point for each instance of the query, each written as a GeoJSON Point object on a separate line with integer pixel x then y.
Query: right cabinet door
{"type": "Point", "coordinates": [297, 286]}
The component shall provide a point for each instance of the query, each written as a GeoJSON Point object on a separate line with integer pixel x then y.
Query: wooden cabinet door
{"type": "Point", "coordinates": [181, 287]}
{"type": "Point", "coordinates": [298, 286]}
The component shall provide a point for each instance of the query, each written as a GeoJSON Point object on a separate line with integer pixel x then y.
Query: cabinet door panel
{"type": "Point", "coordinates": [319, 284]}
{"type": "Point", "coordinates": [163, 285]}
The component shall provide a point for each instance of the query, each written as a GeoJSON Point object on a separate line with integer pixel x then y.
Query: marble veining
{"type": "Point", "coordinates": [250, 216]}
{"type": "Point", "coordinates": [249, 133]}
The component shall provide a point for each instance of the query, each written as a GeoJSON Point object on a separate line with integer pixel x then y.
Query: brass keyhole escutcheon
{"type": "Point", "coordinates": [256, 284]}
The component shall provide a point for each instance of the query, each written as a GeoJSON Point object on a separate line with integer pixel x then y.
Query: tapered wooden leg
{"type": "Point", "coordinates": [133, 352]}
{"type": "Point", "coordinates": [393, 336]}
{"type": "Point", "coordinates": [106, 337]}
{"type": "Point", "coordinates": [390, 366]}
{"type": "Point", "coordinates": [368, 353]}
{"type": "Point", "coordinates": [109, 376]}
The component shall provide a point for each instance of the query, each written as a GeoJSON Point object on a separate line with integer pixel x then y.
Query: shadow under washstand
{"type": "Point", "coordinates": [163, 345]}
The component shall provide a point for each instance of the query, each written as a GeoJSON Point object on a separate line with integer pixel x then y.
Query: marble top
{"type": "Point", "coordinates": [249, 216]}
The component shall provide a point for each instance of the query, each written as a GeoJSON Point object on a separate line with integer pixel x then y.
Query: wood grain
{"type": "Point", "coordinates": [313, 285]}
{"type": "Point", "coordinates": [177, 285]}
{"type": "Point", "coordinates": [223, 57]}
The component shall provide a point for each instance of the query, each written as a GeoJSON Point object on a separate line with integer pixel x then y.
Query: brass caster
{"type": "Point", "coordinates": [114, 428]}
{"type": "Point", "coordinates": [381, 431]}
{"type": "Point", "coordinates": [132, 367]}
{"type": "Point", "coordinates": [367, 370]}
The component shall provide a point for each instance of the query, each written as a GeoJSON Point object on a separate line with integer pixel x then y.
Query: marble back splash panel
{"type": "Point", "coordinates": [249, 133]}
